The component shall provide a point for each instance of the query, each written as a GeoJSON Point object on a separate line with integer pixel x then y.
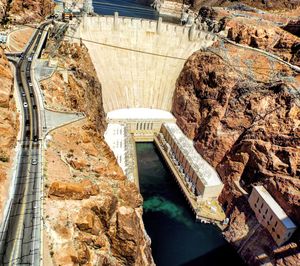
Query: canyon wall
{"type": "Point", "coordinates": [82, 92]}
{"type": "Point", "coordinates": [137, 60]}
{"type": "Point", "coordinates": [277, 41]}
{"type": "Point", "coordinates": [241, 108]}
{"type": "Point", "coordinates": [261, 4]}
{"type": "Point", "coordinates": [9, 126]}
{"type": "Point", "coordinates": [93, 214]}
{"type": "Point", "coordinates": [3, 7]}
{"type": "Point", "coordinates": [25, 11]}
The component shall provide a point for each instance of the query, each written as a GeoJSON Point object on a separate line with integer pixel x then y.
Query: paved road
{"type": "Point", "coordinates": [21, 235]}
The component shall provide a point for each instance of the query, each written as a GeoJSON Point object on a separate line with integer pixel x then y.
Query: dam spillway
{"type": "Point", "coordinates": [137, 60]}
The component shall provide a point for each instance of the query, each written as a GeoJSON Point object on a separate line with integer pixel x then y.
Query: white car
{"type": "Point", "coordinates": [34, 161]}
{"type": "Point", "coordinates": [23, 93]}
{"type": "Point", "coordinates": [25, 104]}
{"type": "Point", "coordinates": [29, 58]}
{"type": "Point", "coordinates": [30, 84]}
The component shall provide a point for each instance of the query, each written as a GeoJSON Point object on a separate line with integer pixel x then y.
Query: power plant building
{"type": "Point", "coordinates": [143, 123]}
{"type": "Point", "coordinates": [204, 181]}
{"type": "Point", "coordinates": [270, 215]}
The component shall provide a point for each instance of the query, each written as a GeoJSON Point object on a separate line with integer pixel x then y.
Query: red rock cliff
{"type": "Point", "coordinates": [8, 125]}
{"type": "Point", "coordinates": [93, 215]}
{"type": "Point", "coordinates": [27, 11]}
{"type": "Point", "coordinates": [242, 111]}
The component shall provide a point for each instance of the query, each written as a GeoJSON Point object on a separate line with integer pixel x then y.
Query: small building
{"type": "Point", "coordinates": [270, 215]}
{"type": "Point", "coordinates": [202, 178]}
{"type": "Point", "coordinates": [67, 15]}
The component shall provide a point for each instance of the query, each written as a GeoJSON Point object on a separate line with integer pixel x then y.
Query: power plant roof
{"type": "Point", "coordinates": [277, 210]}
{"type": "Point", "coordinates": [202, 168]}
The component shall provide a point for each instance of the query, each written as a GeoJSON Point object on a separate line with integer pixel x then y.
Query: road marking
{"type": "Point", "coordinates": [20, 222]}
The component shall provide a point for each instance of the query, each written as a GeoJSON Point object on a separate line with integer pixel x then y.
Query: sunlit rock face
{"type": "Point", "coordinates": [262, 4]}
{"type": "Point", "coordinates": [8, 125]}
{"type": "Point", "coordinates": [26, 11]}
{"type": "Point", "coordinates": [3, 6]}
{"type": "Point", "coordinates": [244, 119]}
{"type": "Point", "coordinates": [93, 214]}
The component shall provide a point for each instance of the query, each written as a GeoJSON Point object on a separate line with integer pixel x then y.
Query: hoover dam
{"type": "Point", "coordinates": [139, 60]}
{"type": "Point", "coordinates": [149, 132]}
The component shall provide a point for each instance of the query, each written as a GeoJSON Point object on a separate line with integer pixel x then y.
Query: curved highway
{"type": "Point", "coordinates": [21, 234]}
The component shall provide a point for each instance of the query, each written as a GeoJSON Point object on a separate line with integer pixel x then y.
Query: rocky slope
{"type": "Point", "coordinates": [260, 31]}
{"type": "Point", "coordinates": [27, 11]}
{"type": "Point", "coordinates": [92, 213]}
{"type": "Point", "coordinates": [3, 7]}
{"type": "Point", "coordinates": [242, 111]}
{"type": "Point", "coordinates": [81, 91]}
{"type": "Point", "coordinates": [265, 37]}
{"type": "Point", "coordinates": [261, 4]}
{"type": "Point", "coordinates": [8, 125]}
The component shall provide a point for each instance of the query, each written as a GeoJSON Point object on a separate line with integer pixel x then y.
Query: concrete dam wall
{"type": "Point", "coordinates": [139, 61]}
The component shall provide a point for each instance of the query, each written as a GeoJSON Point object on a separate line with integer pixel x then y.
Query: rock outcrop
{"type": "Point", "coordinates": [28, 11]}
{"type": "Point", "coordinates": [265, 37]}
{"type": "Point", "coordinates": [3, 8]}
{"type": "Point", "coordinates": [77, 191]}
{"type": "Point", "coordinates": [255, 30]}
{"type": "Point", "coordinates": [261, 4]}
{"type": "Point", "coordinates": [25, 11]}
{"type": "Point", "coordinates": [241, 108]}
{"type": "Point", "coordinates": [81, 91]}
{"type": "Point", "coordinates": [8, 125]}
{"type": "Point", "coordinates": [93, 215]}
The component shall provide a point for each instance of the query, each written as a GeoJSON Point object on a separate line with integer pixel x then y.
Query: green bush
{"type": "Point", "coordinates": [4, 157]}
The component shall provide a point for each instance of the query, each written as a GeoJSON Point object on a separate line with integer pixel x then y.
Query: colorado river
{"type": "Point", "coordinates": [176, 238]}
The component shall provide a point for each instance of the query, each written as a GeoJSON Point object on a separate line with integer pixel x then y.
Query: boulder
{"type": "Point", "coordinates": [77, 191]}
